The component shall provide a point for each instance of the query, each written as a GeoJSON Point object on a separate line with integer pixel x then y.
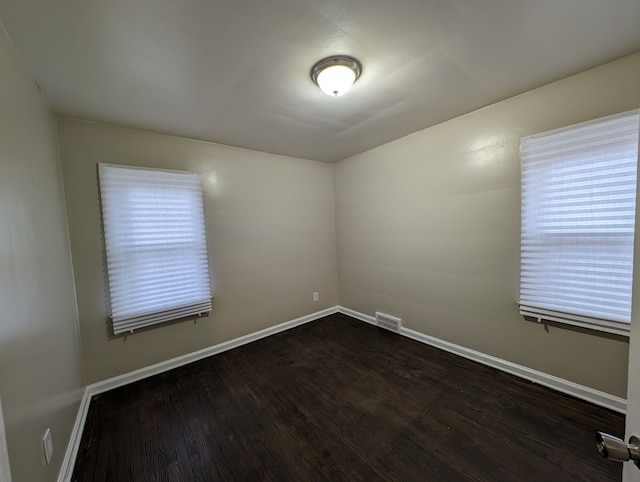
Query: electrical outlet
{"type": "Point", "coordinates": [315, 296]}
{"type": "Point", "coordinates": [47, 446]}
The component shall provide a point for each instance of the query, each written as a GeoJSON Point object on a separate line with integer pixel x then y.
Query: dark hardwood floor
{"type": "Point", "coordinates": [338, 399]}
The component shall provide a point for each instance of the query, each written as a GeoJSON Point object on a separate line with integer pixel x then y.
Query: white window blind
{"type": "Point", "coordinates": [155, 245]}
{"type": "Point", "coordinates": [578, 220]}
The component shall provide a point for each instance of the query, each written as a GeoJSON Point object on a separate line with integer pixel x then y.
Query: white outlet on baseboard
{"type": "Point", "coordinates": [315, 296]}
{"type": "Point", "coordinates": [47, 446]}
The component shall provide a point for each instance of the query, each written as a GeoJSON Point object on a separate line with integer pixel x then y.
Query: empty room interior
{"type": "Point", "coordinates": [383, 278]}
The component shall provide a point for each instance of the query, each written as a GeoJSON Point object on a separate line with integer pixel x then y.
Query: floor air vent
{"type": "Point", "coordinates": [388, 322]}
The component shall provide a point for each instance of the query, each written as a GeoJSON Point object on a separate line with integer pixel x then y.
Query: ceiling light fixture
{"type": "Point", "coordinates": [335, 75]}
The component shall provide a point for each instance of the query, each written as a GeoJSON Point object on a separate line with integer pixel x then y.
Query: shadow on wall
{"type": "Point", "coordinates": [37, 393]}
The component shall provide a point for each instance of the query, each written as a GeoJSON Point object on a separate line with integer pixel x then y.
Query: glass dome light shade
{"type": "Point", "coordinates": [336, 80]}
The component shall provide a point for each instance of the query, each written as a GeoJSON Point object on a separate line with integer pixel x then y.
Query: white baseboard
{"type": "Point", "coordinates": [565, 386]}
{"type": "Point", "coordinates": [69, 460]}
{"type": "Point", "coordinates": [357, 315]}
{"type": "Point", "coordinates": [68, 463]}
{"type": "Point", "coordinates": [5, 470]}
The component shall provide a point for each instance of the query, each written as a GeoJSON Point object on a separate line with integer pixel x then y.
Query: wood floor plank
{"type": "Point", "coordinates": [341, 400]}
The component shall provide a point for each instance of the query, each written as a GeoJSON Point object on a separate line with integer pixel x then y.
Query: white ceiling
{"type": "Point", "coordinates": [237, 71]}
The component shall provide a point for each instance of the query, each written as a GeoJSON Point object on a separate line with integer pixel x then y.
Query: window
{"type": "Point", "coordinates": [577, 225]}
{"type": "Point", "coordinates": [155, 245]}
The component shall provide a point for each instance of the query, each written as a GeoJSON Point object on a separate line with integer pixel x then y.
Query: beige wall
{"type": "Point", "coordinates": [270, 228]}
{"type": "Point", "coordinates": [428, 229]}
{"type": "Point", "coordinates": [40, 375]}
